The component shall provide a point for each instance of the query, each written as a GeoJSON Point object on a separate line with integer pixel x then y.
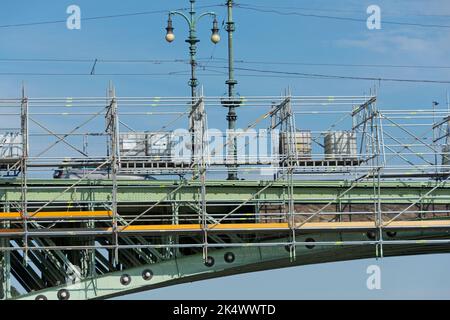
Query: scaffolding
{"type": "Point", "coordinates": [95, 185]}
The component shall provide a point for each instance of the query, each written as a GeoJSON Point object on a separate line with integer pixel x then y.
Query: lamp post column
{"type": "Point", "coordinates": [192, 40]}
{"type": "Point", "coordinates": [231, 103]}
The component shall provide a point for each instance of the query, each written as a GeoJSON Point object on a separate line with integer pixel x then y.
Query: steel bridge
{"type": "Point", "coordinates": [102, 197]}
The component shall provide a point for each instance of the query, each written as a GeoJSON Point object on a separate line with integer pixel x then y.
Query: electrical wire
{"type": "Point", "coordinates": [109, 61]}
{"type": "Point", "coordinates": [334, 10]}
{"type": "Point", "coordinates": [216, 60]}
{"type": "Point", "coordinates": [215, 73]}
{"type": "Point", "coordinates": [310, 15]}
{"type": "Point", "coordinates": [113, 16]}
{"type": "Point", "coordinates": [329, 76]}
{"type": "Point", "coordinates": [316, 64]}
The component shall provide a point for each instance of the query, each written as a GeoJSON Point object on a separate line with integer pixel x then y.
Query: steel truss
{"type": "Point", "coordinates": [117, 219]}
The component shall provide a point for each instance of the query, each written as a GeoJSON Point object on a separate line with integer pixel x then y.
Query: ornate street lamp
{"type": "Point", "coordinates": [192, 21]}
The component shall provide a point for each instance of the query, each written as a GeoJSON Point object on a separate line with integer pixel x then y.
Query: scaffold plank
{"type": "Point", "coordinates": [57, 215]}
{"type": "Point", "coordinates": [238, 227]}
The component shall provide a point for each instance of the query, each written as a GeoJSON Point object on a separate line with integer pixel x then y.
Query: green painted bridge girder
{"type": "Point", "coordinates": [222, 191]}
{"type": "Point", "coordinates": [247, 259]}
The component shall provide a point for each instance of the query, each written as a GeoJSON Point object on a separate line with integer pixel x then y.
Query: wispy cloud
{"type": "Point", "coordinates": [413, 44]}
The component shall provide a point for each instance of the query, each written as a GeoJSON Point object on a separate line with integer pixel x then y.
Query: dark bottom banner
{"type": "Point", "coordinates": [212, 309]}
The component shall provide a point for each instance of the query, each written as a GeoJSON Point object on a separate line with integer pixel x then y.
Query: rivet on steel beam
{"type": "Point", "coordinates": [229, 257]}
{"type": "Point", "coordinates": [209, 261]}
{"type": "Point", "coordinates": [147, 274]}
{"type": "Point", "coordinates": [125, 279]}
{"type": "Point", "coordinates": [63, 294]}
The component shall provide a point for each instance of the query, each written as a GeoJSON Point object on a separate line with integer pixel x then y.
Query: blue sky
{"type": "Point", "coordinates": [413, 277]}
{"type": "Point", "coordinates": [259, 37]}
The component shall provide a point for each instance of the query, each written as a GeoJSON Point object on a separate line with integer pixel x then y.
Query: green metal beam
{"type": "Point", "coordinates": [220, 191]}
{"type": "Point", "coordinates": [247, 259]}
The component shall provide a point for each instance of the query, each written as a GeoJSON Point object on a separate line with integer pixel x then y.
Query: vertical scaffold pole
{"type": "Point", "coordinates": [376, 174]}
{"type": "Point", "coordinates": [201, 144]}
{"type": "Point", "coordinates": [112, 128]}
{"type": "Point", "coordinates": [24, 171]}
{"type": "Point", "coordinates": [88, 265]}
{"type": "Point", "coordinates": [5, 263]}
{"type": "Point", "coordinates": [379, 164]}
{"type": "Point", "coordinates": [292, 159]}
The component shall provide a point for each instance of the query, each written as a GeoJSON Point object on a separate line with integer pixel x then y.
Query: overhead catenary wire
{"type": "Point", "coordinates": [334, 10]}
{"type": "Point", "coordinates": [257, 72]}
{"type": "Point", "coordinates": [112, 16]}
{"type": "Point", "coordinates": [324, 64]}
{"type": "Point", "coordinates": [337, 18]}
{"type": "Point", "coordinates": [217, 60]}
{"type": "Point", "coordinates": [87, 60]}
{"type": "Point", "coordinates": [332, 76]}
{"type": "Point", "coordinates": [216, 70]}
{"type": "Point", "coordinates": [257, 8]}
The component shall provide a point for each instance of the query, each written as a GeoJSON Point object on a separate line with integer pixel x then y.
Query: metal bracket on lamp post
{"type": "Point", "coordinates": [192, 40]}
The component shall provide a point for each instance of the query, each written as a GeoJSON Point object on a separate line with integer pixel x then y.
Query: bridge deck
{"type": "Point", "coordinates": [220, 191]}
